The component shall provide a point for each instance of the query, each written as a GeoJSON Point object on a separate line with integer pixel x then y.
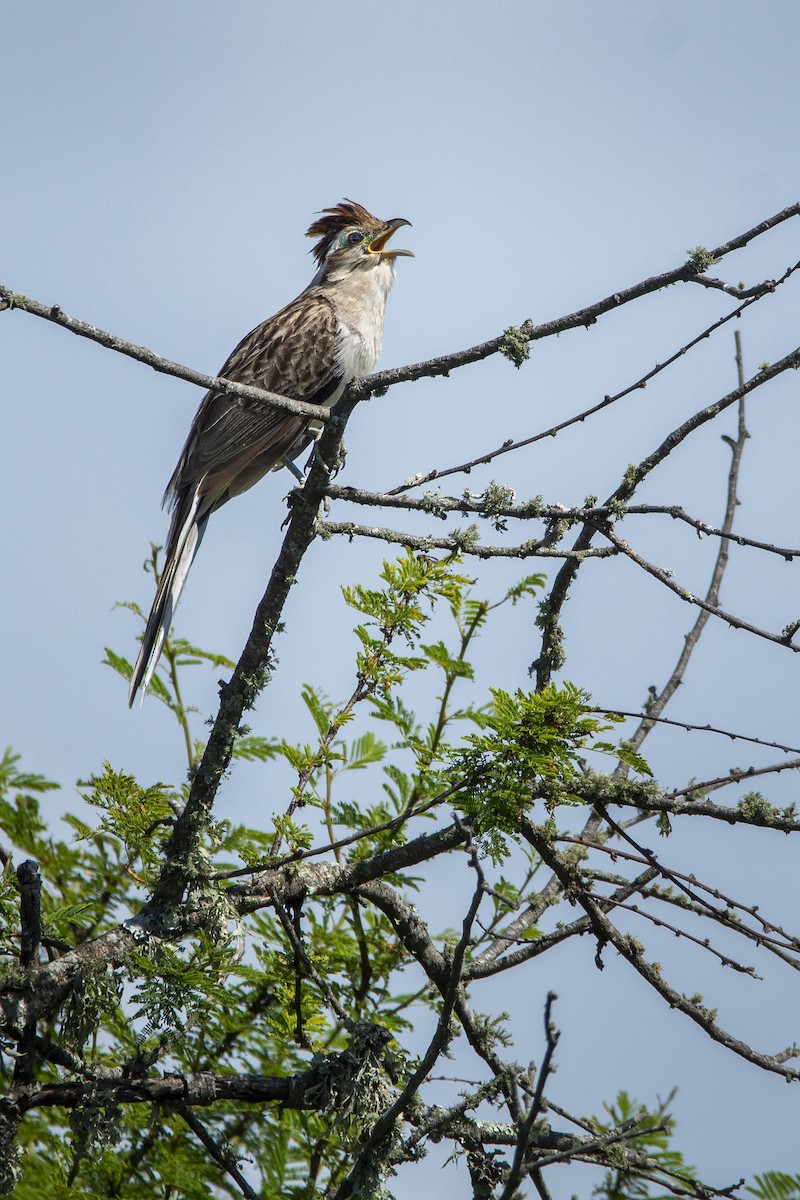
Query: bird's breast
{"type": "Point", "coordinates": [357, 349]}
{"type": "Point", "coordinates": [360, 306]}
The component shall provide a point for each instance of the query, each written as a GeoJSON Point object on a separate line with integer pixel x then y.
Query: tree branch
{"type": "Point", "coordinates": [551, 655]}
{"type": "Point", "coordinates": [440, 506]}
{"type": "Point", "coordinates": [630, 950]}
{"type": "Point", "coordinates": [582, 317]}
{"type": "Point", "coordinates": [510, 445]}
{"type": "Point", "coordinates": [456, 544]}
{"type": "Point", "coordinates": [212, 383]}
{"type": "Point", "coordinates": [220, 1154]}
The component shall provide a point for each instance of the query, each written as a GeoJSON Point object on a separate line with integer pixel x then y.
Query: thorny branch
{"type": "Point", "coordinates": [607, 934]}
{"type": "Point", "coordinates": [694, 728]}
{"type": "Point", "coordinates": [713, 610]}
{"type": "Point", "coordinates": [633, 477]}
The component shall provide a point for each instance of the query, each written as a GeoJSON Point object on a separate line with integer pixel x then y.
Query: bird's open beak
{"type": "Point", "coordinates": [377, 245]}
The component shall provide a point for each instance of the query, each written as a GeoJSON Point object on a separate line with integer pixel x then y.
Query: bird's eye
{"type": "Point", "coordinates": [354, 238]}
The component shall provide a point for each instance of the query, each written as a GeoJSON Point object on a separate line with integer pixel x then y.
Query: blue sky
{"type": "Point", "coordinates": [159, 166]}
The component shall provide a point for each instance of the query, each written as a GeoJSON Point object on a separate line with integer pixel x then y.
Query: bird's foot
{"type": "Point", "coordinates": [333, 468]}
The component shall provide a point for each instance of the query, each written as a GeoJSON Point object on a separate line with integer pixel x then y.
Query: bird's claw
{"type": "Point", "coordinates": [334, 468]}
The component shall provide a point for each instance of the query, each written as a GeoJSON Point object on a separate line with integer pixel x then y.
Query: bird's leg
{"type": "Point", "coordinates": [293, 467]}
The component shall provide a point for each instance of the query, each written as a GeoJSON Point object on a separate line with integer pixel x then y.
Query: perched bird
{"type": "Point", "coordinates": [310, 351]}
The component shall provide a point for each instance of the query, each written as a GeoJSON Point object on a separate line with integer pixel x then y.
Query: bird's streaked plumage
{"type": "Point", "coordinates": [309, 351]}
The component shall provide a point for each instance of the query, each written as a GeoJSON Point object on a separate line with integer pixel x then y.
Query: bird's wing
{"type": "Point", "coordinates": [233, 442]}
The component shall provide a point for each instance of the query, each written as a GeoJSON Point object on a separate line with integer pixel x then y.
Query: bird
{"type": "Point", "coordinates": [310, 350]}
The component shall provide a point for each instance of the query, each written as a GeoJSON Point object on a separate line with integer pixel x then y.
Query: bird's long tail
{"type": "Point", "coordinates": [184, 541]}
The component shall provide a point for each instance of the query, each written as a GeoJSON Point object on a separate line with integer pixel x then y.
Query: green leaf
{"type": "Point", "coordinates": [776, 1185]}
{"type": "Point", "coordinates": [133, 813]}
{"type": "Point", "coordinates": [528, 739]}
{"type": "Point", "coordinates": [13, 780]}
{"type": "Point", "coordinates": [454, 668]}
{"type": "Point", "coordinates": [255, 749]}
{"type": "Point", "coordinates": [625, 753]}
{"type": "Point", "coordinates": [320, 708]}
{"type": "Point", "coordinates": [365, 750]}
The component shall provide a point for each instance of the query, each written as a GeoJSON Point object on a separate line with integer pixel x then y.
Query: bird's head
{"type": "Point", "coordinates": [350, 238]}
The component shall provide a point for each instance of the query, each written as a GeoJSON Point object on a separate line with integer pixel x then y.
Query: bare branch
{"type": "Point", "coordinates": [491, 963]}
{"type": "Point", "coordinates": [256, 396]}
{"type": "Point", "coordinates": [691, 728]}
{"type": "Point", "coordinates": [550, 654]}
{"type": "Point", "coordinates": [762, 816]}
{"type": "Point", "coordinates": [437, 1044]}
{"type": "Point", "coordinates": [582, 318]}
{"type": "Point", "coordinates": [521, 1150]}
{"type": "Point", "coordinates": [736, 775]}
{"type": "Point", "coordinates": [781, 944]}
{"type": "Point", "coordinates": [664, 576]}
{"type": "Point", "coordinates": [510, 445]}
{"type": "Point", "coordinates": [630, 950]}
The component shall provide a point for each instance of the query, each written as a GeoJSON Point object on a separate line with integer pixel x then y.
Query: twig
{"type": "Point", "coordinates": [713, 610]}
{"type": "Point", "coordinates": [301, 958]}
{"type": "Point", "coordinates": [739, 293]}
{"type": "Point", "coordinates": [704, 908]}
{"type": "Point", "coordinates": [491, 962]}
{"type": "Point", "coordinates": [692, 728]}
{"type": "Point", "coordinates": [632, 953]}
{"type": "Point", "coordinates": [660, 700]}
{"type": "Point", "coordinates": [784, 947]}
{"type": "Point", "coordinates": [442, 506]}
{"type": "Point", "coordinates": [341, 843]}
{"type": "Point", "coordinates": [631, 480]}
{"type": "Point", "coordinates": [220, 1154]}
{"type": "Point", "coordinates": [415, 937]}
{"type": "Point", "coordinates": [703, 943]}
{"type": "Point", "coordinates": [736, 775]}
{"type": "Point", "coordinates": [521, 1149]}
{"type": "Point", "coordinates": [649, 857]}
{"type": "Point", "coordinates": [628, 1129]}
{"type": "Point", "coordinates": [762, 817]}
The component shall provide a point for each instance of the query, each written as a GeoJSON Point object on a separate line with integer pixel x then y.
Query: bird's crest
{"type": "Point", "coordinates": [333, 220]}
